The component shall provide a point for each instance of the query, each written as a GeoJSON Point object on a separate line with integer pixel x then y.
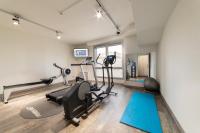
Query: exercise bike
{"type": "Point", "coordinates": [80, 101]}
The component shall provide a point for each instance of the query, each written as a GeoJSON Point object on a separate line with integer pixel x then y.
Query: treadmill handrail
{"type": "Point", "coordinates": [80, 64]}
{"type": "Point", "coordinates": [98, 59]}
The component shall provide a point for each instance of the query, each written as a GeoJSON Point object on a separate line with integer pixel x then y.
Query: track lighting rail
{"type": "Point", "coordinates": [109, 16]}
{"type": "Point", "coordinates": [16, 16]}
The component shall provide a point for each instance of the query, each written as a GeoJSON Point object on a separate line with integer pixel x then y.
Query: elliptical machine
{"type": "Point", "coordinates": [80, 101]}
{"type": "Point", "coordinates": [107, 65]}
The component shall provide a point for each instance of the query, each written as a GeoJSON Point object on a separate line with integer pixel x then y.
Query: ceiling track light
{"type": "Point", "coordinates": [99, 14]}
{"type": "Point", "coordinates": [17, 18]}
{"type": "Point", "coordinates": [58, 35]}
{"type": "Point", "coordinates": [109, 16]}
{"type": "Point", "coordinates": [61, 12]}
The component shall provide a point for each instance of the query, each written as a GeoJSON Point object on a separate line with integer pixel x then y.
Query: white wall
{"type": "Point", "coordinates": [27, 57]}
{"type": "Point", "coordinates": [179, 64]}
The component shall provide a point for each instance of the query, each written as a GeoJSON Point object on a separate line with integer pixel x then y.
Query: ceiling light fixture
{"type": "Point", "coordinates": [16, 20]}
{"type": "Point", "coordinates": [107, 14]}
{"type": "Point", "coordinates": [99, 14]}
{"type": "Point", "coordinates": [58, 36]}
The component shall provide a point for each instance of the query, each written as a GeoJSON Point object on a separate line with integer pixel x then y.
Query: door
{"type": "Point", "coordinates": [143, 65]}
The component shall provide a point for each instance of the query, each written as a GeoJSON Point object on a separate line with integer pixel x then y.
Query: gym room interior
{"type": "Point", "coordinates": [99, 66]}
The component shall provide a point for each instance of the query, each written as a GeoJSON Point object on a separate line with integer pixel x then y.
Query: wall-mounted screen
{"type": "Point", "coordinates": [80, 52]}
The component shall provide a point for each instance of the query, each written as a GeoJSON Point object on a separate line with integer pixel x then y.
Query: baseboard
{"type": "Point", "coordinates": [172, 115]}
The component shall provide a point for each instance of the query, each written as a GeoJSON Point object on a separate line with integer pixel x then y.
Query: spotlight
{"type": "Point", "coordinates": [16, 20]}
{"type": "Point", "coordinates": [99, 14]}
{"type": "Point", "coordinates": [58, 36]}
{"type": "Point", "coordinates": [118, 32]}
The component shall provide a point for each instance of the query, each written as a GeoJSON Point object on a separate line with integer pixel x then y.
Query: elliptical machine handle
{"type": "Point", "coordinates": [115, 56]}
{"type": "Point", "coordinates": [98, 59]}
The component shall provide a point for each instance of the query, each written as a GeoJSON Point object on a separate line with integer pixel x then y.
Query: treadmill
{"type": "Point", "coordinates": [57, 96]}
{"type": "Point", "coordinates": [89, 62]}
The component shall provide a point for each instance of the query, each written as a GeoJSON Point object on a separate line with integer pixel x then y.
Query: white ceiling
{"type": "Point", "coordinates": [150, 18]}
{"type": "Point", "coordinates": [78, 24]}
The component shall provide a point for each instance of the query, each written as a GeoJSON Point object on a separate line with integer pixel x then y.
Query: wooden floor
{"type": "Point", "coordinates": [105, 119]}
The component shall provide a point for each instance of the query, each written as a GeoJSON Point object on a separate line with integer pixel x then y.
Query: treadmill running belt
{"type": "Point", "coordinates": [57, 96]}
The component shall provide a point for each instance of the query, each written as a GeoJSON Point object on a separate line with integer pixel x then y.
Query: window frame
{"type": "Point", "coordinates": [106, 45]}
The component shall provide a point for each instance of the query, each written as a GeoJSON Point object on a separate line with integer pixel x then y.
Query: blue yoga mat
{"type": "Point", "coordinates": [141, 112]}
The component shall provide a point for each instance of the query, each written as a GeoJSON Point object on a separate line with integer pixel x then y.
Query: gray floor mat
{"type": "Point", "coordinates": [41, 109]}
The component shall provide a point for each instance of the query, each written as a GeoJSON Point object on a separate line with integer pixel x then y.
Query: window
{"type": "Point", "coordinates": [109, 50]}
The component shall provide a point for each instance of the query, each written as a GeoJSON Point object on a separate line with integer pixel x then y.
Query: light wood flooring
{"type": "Point", "coordinates": [105, 119]}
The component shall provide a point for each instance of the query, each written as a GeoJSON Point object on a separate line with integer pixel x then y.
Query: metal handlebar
{"type": "Point", "coordinates": [57, 66]}
{"type": "Point", "coordinates": [105, 61]}
{"type": "Point", "coordinates": [115, 56]}
{"type": "Point", "coordinates": [98, 59]}
{"type": "Point", "coordinates": [80, 64]}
